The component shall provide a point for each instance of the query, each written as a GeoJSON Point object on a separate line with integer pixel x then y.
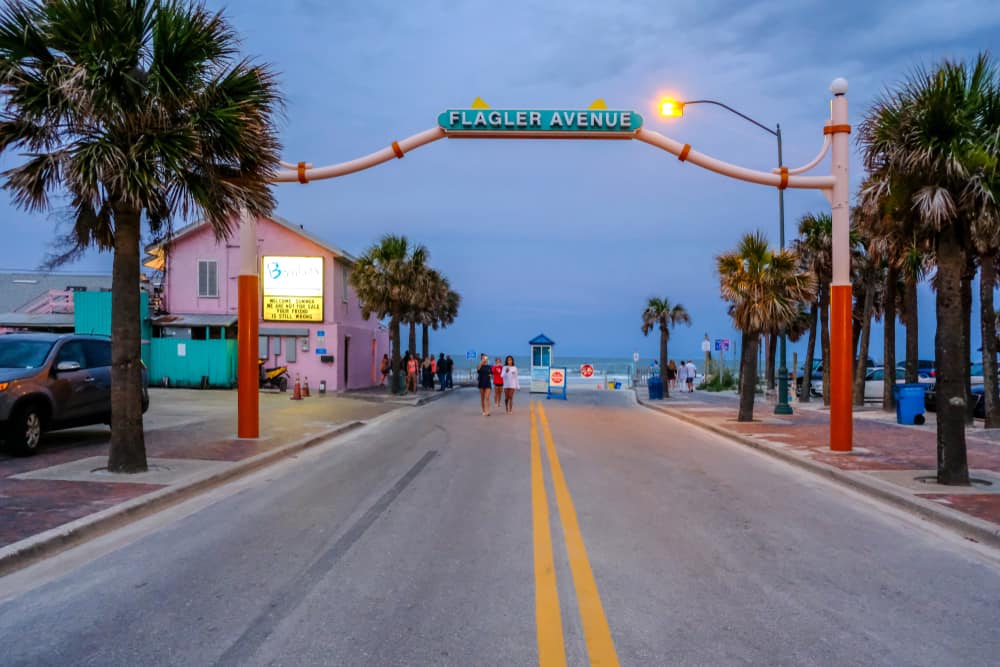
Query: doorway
{"type": "Point", "coordinates": [347, 360]}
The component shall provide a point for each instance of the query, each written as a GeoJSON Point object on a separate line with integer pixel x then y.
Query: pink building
{"type": "Point", "coordinates": [310, 317]}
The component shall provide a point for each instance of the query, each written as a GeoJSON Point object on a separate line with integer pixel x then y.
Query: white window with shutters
{"type": "Point", "coordinates": [208, 278]}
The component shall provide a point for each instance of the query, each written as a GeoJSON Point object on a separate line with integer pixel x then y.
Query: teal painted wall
{"type": "Point", "coordinates": [215, 358]}
{"type": "Point", "coordinates": [92, 315]}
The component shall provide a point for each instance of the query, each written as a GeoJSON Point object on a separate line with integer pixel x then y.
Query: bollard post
{"type": "Point", "coordinates": [305, 388]}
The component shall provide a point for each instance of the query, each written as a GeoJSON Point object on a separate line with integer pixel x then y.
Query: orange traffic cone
{"type": "Point", "coordinates": [305, 388]}
{"type": "Point", "coordinates": [297, 390]}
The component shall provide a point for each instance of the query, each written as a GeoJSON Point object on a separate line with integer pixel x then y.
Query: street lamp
{"type": "Point", "coordinates": [671, 108]}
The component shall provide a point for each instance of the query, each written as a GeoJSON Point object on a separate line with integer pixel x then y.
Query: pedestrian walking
{"type": "Point", "coordinates": [672, 374]}
{"type": "Point", "coordinates": [692, 371]}
{"type": "Point", "coordinates": [411, 372]}
{"type": "Point", "coordinates": [442, 369]}
{"type": "Point", "coordinates": [450, 367]}
{"type": "Point", "coordinates": [511, 383]}
{"type": "Point", "coordinates": [386, 364]}
{"type": "Point", "coordinates": [497, 371]}
{"type": "Point", "coordinates": [426, 377]}
{"type": "Point", "coordinates": [484, 373]}
{"type": "Point", "coordinates": [681, 374]}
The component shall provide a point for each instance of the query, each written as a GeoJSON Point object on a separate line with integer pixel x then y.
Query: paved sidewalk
{"type": "Point", "coordinates": [190, 441]}
{"type": "Point", "coordinates": [891, 461]}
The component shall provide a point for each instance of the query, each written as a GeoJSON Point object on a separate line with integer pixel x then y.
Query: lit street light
{"type": "Point", "coordinates": [671, 108]}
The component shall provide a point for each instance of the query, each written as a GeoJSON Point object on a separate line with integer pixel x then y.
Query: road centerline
{"type": "Point", "coordinates": [548, 618]}
{"type": "Point", "coordinates": [597, 634]}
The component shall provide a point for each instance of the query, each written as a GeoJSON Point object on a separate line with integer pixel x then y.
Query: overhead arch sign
{"type": "Point", "coordinates": [565, 123]}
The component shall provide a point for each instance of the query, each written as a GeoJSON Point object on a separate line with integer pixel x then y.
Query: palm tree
{"type": "Point", "coordinates": [814, 249]}
{"type": "Point", "coordinates": [135, 109]}
{"type": "Point", "coordinates": [662, 313]}
{"type": "Point", "coordinates": [868, 278]}
{"type": "Point", "coordinates": [382, 279]}
{"type": "Point", "coordinates": [439, 307]}
{"type": "Point", "coordinates": [420, 282]}
{"type": "Point", "coordinates": [926, 143]}
{"type": "Point", "coordinates": [763, 287]}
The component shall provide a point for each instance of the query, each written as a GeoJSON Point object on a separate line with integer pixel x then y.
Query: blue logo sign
{"type": "Point", "coordinates": [273, 270]}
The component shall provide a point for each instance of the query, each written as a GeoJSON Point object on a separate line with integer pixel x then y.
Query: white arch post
{"type": "Point", "coordinates": [835, 187]}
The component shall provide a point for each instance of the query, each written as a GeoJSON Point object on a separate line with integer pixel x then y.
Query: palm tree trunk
{"type": "Point", "coordinates": [949, 349]}
{"type": "Point", "coordinates": [889, 340]}
{"type": "Point", "coordinates": [772, 353]}
{"type": "Point", "coordinates": [805, 390]}
{"type": "Point", "coordinates": [910, 321]}
{"type": "Point", "coordinates": [424, 343]}
{"type": "Point", "coordinates": [862, 367]}
{"type": "Point", "coordinates": [824, 318]}
{"type": "Point", "coordinates": [396, 382]}
{"type": "Point", "coordinates": [128, 447]}
{"type": "Point", "coordinates": [412, 342]}
{"type": "Point", "coordinates": [748, 376]}
{"type": "Point", "coordinates": [967, 277]}
{"type": "Point", "coordinates": [664, 337]}
{"type": "Point", "coordinates": [987, 283]}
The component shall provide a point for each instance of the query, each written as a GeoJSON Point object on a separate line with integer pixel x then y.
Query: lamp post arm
{"type": "Point", "coordinates": [732, 110]}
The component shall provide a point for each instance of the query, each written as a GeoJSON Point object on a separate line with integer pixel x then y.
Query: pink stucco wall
{"type": "Point", "coordinates": [341, 317]}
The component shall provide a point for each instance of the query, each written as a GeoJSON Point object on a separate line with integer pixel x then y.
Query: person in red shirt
{"type": "Point", "coordinates": [497, 382]}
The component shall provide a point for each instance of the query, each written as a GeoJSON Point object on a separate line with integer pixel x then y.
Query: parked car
{"type": "Point", "coordinates": [875, 381]}
{"type": "Point", "coordinates": [816, 382]}
{"type": "Point", "coordinates": [923, 365]}
{"type": "Point", "coordinates": [52, 381]}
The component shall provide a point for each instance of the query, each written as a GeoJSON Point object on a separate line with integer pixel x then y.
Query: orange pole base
{"type": "Point", "coordinates": [841, 370]}
{"type": "Point", "coordinates": [248, 373]}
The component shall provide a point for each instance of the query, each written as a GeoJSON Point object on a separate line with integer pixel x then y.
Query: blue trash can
{"type": "Point", "coordinates": [909, 403]}
{"type": "Point", "coordinates": [655, 385]}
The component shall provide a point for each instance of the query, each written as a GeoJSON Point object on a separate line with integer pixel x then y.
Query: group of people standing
{"type": "Point", "coordinates": [502, 379]}
{"type": "Point", "coordinates": [682, 374]}
{"type": "Point", "coordinates": [425, 371]}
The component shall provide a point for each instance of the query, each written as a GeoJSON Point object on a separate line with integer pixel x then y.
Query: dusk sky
{"type": "Point", "coordinates": [566, 237]}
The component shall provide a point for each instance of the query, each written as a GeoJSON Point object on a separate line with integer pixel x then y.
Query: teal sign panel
{"type": "Point", "coordinates": [547, 121]}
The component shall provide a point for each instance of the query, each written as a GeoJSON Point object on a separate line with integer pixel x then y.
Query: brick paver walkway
{"type": "Point", "coordinates": [180, 424]}
{"type": "Point", "coordinates": [880, 444]}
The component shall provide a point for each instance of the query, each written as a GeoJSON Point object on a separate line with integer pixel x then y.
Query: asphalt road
{"type": "Point", "coordinates": [603, 534]}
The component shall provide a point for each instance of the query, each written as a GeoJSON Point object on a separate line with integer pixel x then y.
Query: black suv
{"type": "Point", "coordinates": [53, 381]}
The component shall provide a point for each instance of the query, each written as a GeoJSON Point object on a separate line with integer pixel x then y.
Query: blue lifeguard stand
{"type": "Point", "coordinates": [541, 361]}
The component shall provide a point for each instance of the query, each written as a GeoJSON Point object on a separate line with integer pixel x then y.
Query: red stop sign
{"type": "Point", "coordinates": [587, 370]}
{"type": "Point", "coordinates": [557, 377]}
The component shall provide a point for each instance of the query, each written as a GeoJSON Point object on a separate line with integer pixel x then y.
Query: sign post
{"type": "Point", "coordinates": [557, 383]}
{"type": "Point", "coordinates": [292, 289]}
{"type": "Point", "coordinates": [706, 348]}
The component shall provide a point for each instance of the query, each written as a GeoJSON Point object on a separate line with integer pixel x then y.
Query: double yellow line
{"type": "Point", "coordinates": [597, 634]}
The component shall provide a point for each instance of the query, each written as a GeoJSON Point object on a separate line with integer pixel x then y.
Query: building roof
{"type": "Point", "coordinates": [37, 321]}
{"type": "Point", "coordinates": [19, 288]}
{"type": "Point", "coordinates": [541, 339]}
{"type": "Point", "coordinates": [194, 320]}
{"type": "Point", "coordinates": [156, 253]}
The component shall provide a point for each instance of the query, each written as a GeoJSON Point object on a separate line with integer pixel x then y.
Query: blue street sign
{"type": "Point", "coordinates": [548, 122]}
{"type": "Point", "coordinates": [470, 354]}
{"type": "Point", "coordinates": [320, 350]}
{"type": "Point", "coordinates": [721, 344]}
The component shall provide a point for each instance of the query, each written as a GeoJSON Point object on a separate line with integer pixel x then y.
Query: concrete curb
{"type": "Point", "coordinates": [970, 527]}
{"type": "Point", "coordinates": [24, 552]}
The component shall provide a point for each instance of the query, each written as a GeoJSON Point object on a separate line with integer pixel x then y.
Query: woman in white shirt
{"type": "Point", "coordinates": [510, 383]}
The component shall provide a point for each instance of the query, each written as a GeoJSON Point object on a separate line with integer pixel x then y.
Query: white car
{"type": "Point", "coordinates": [875, 382]}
